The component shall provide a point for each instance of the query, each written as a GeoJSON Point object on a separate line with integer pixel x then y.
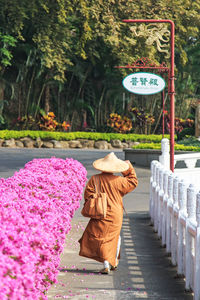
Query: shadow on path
{"type": "Point", "coordinates": [145, 270]}
{"type": "Point", "coordinates": [81, 272]}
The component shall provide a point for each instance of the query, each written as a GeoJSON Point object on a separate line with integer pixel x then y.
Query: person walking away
{"type": "Point", "coordinates": [101, 239]}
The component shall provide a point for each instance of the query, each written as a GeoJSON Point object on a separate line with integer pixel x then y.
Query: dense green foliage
{"type": "Point", "coordinates": [8, 134]}
{"type": "Point", "coordinates": [61, 55]}
{"type": "Point", "coordinates": [189, 141]}
{"type": "Point", "coordinates": [157, 146]}
{"type": "Point", "coordinates": [146, 141]}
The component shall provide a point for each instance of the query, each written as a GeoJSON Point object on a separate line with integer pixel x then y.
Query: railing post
{"type": "Point", "coordinates": [160, 201]}
{"type": "Point", "coordinates": [164, 158]}
{"type": "Point", "coordinates": [182, 200]}
{"type": "Point", "coordinates": [191, 203]}
{"type": "Point", "coordinates": [182, 197]}
{"type": "Point", "coordinates": [174, 222]}
{"type": "Point", "coordinates": [153, 191]}
{"type": "Point", "coordinates": [152, 185]}
{"type": "Point", "coordinates": [191, 210]}
{"type": "Point", "coordinates": [197, 253]}
{"type": "Point", "coordinates": [190, 163]}
{"type": "Point", "coordinates": [169, 213]}
{"type": "Point", "coordinates": [156, 198]}
{"type": "Point", "coordinates": [165, 199]}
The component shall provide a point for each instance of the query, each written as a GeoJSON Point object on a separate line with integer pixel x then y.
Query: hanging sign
{"type": "Point", "coordinates": [143, 83]}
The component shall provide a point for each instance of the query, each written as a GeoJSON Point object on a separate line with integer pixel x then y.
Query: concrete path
{"type": "Point", "coordinates": [144, 271]}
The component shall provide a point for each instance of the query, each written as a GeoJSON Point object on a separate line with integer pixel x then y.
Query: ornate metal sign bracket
{"type": "Point", "coordinates": [146, 63]}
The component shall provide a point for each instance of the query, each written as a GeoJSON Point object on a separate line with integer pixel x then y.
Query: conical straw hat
{"type": "Point", "coordinates": [111, 164]}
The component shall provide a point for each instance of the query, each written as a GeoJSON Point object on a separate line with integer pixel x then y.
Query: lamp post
{"type": "Point", "coordinates": [171, 87]}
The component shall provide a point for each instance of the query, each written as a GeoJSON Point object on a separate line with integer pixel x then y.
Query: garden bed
{"type": "Point", "coordinates": [98, 140]}
{"type": "Point", "coordinates": [140, 143]}
{"type": "Point", "coordinates": [65, 144]}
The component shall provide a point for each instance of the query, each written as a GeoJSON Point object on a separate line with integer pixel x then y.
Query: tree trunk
{"type": "Point", "coordinates": [2, 87]}
{"type": "Point", "coordinates": [29, 92]}
{"type": "Point", "coordinates": [99, 117]}
{"type": "Point", "coordinates": [47, 100]}
{"type": "Point", "coordinates": [19, 102]}
{"type": "Point", "coordinates": [39, 99]}
{"type": "Point", "coordinates": [1, 97]}
{"type": "Point", "coordinates": [197, 121]}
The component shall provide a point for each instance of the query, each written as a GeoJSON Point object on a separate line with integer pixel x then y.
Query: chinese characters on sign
{"type": "Point", "coordinates": [144, 83]}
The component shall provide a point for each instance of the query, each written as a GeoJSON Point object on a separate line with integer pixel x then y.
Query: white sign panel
{"type": "Point", "coordinates": [143, 83]}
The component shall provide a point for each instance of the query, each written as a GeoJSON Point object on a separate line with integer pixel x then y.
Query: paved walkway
{"type": "Point", "coordinates": [144, 271]}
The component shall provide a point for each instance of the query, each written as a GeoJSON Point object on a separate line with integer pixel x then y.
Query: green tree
{"type": "Point", "coordinates": [66, 52]}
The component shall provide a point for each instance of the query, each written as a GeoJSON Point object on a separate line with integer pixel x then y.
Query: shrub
{"type": "Point", "coordinates": [142, 119]}
{"type": "Point", "coordinates": [45, 122]}
{"type": "Point", "coordinates": [180, 124]}
{"type": "Point", "coordinates": [157, 146]}
{"type": "Point", "coordinates": [48, 122]}
{"type": "Point", "coordinates": [25, 123]}
{"type": "Point", "coordinates": [189, 141]}
{"type": "Point", "coordinates": [119, 124]}
{"type": "Point", "coordinates": [45, 135]}
{"type": "Point", "coordinates": [36, 207]}
{"type": "Point", "coordinates": [186, 131]}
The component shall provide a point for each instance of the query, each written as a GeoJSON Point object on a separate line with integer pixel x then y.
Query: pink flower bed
{"type": "Point", "coordinates": [36, 207]}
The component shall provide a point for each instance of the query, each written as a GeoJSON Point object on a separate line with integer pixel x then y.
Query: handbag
{"type": "Point", "coordinates": [96, 206]}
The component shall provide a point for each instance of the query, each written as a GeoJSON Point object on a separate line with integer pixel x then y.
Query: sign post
{"type": "Point", "coordinates": [171, 88]}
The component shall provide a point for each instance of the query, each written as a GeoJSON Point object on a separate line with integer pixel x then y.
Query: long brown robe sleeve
{"type": "Point", "coordinates": [99, 240]}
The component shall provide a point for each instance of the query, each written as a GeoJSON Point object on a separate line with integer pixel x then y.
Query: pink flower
{"type": "Point", "coordinates": [36, 207]}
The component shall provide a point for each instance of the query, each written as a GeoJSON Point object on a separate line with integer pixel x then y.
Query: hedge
{"type": "Point", "coordinates": [66, 136]}
{"type": "Point", "coordinates": [157, 146]}
{"type": "Point", "coordinates": [36, 207]}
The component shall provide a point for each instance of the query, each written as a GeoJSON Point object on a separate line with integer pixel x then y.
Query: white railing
{"type": "Point", "coordinates": [188, 162]}
{"type": "Point", "coordinates": [175, 214]}
{"type": "Point", "coordinates": [189, 159]}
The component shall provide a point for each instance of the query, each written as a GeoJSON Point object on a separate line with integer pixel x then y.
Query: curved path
{"type": "Point", "coordinates": [144, 271]}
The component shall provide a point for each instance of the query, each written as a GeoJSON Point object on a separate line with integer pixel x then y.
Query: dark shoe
{"type": "Point", "coordinates": [113, 268]}
{"type": "Point", "coordinates": [105, 271]}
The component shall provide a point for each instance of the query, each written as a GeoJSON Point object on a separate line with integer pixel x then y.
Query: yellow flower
{"type": "Point", "coordinates": [51, 114]}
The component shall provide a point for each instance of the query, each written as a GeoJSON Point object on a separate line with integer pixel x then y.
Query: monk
{"type": "Point", "coordinates": [101, 238]}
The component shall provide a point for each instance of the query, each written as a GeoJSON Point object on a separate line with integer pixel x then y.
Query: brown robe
{"type": "Point", "coordinates": [100, 238]}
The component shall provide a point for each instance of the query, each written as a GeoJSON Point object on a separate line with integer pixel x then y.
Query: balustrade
{"type": "Point", "coordinates": [186, 166]}
{"type": "Point", "coordinates": [175, 215]}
